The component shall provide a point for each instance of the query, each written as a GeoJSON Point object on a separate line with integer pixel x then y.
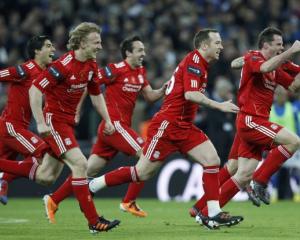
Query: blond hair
{"type": "Point", "coordinates": [80, 32]}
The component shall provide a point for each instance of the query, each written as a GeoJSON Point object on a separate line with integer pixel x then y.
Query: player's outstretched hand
{"type": "Point", "coordinates": [109, 128]}
{"type": "Point", "coordinates": [296, 46]}
{"type": "Point", "coordinates": [43, 129]}
{"type": "Point", "coordinates": [228, 106]}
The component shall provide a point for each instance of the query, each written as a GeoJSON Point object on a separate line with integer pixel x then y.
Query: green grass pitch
{"type": "Point", "coordinates": [24, 219]}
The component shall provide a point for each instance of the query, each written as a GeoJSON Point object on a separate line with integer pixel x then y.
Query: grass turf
{"type": "Point", "coordinates": [24, 219]}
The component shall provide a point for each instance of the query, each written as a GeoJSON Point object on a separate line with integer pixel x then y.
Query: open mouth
{"type": "Point", "coordinates": [51, 55]}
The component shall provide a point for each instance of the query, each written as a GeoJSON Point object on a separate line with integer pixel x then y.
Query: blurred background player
{"type": "Point", "coordinates": [15, 138]}
{"type": "Point", "coordinates": [172, 129]}
{"type": "Point", "coordinates": [124, 81]}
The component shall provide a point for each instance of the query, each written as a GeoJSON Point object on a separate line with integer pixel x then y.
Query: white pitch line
{"type": "Point", "coordinates": [12, 220]}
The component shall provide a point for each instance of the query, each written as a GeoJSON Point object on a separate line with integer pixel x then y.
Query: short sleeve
{"type": "Point", "coordinates": [254, 62]}
{"type": "Point", "coordinates": [50, 77]}
{"type": "Point", "coordinates": [192, 75]}
{"type": "Point", "coordinates": [14, 74]}
{"type": "Point", "coordinates": [107, 74]}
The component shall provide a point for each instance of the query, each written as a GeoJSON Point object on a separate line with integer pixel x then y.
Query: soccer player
{"type": "Point", "coordinates": [63, 85]}
{"type": "Point", "coordinates": [260, 75]}
{"type": "Point", "coordinates": [231, 166]}
{"type": "Point", "coordinates": [172, 129]}
{"type": "Point", "coordinates": [123, 81]}
{"type": "Point", "coordinates": [15, 138]}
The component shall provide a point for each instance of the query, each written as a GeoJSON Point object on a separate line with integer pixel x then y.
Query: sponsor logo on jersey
{"type": "Point", "coordinates": [194, 70]}
{"type": "Point", "coordinates": [131, 88]}
{"type": "Point", "coordinates": [68, 141]}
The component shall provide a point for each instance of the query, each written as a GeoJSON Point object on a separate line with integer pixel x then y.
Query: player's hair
{"type": "Point", "coordinates": [80, 32]}
{"type": "Point", "coordinates": [127, 45]}
{"type": "Point", "coordinates": [35, 43]}
{"type": "Point", "coordinates": [267, 35]}
{"type": "Point", "coordinates": [202, 35]}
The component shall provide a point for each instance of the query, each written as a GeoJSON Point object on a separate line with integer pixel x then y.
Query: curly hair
{"type": "Point", "coordinates": [80, 32]}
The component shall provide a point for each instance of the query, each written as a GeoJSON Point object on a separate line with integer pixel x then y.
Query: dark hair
{"type": "Point", "coordinates": [202, 35]}
{"type": "Point", "coordinates": [35, 43]}
{"type": "Point", "coordinates": [127, 45]}
{"type": "Point", "coordinates": [267, 35]}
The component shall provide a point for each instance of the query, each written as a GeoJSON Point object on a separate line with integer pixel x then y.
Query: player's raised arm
{"type": "Point", "coordinates": [279, 59]}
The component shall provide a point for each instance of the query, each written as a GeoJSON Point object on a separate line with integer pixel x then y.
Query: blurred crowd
{"type": "Point", "coordinates": [167, 27]}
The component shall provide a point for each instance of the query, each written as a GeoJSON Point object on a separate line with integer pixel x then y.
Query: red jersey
{"type": "Point", "coordinates": [63, 84]}
{"type": "Point", "coordinates": [123, 85]}
{"type": "Point", "coordinates": [255, 95]}
{"type": "Point", "coordinates": [17, 109]}
{"type": "Point", "coordinates": [190, 75]}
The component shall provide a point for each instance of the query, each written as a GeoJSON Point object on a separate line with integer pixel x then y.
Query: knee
{"type": "Point", "coordinates": [212, 160]}
{"type": "Point", "coordinates": [232, 166]}
{"type": "Point", "coordinates": [81, 165]}
{"type": "Point", "coordinates": [243, 177]}
{"type": "Point", "coordinates": [46, 180]}
{"type": "Point", "coordinates": [144, 175]}
{"type": "Point", "coordinates": [294, 145]}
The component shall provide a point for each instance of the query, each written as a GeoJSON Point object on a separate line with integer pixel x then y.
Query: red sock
{"type": "Point", "coordinates": [223, 177]}
{"type": "Point", "coordinates": [9, 177]}
{"type": "Point", "coordinates": [120, 176]}
{"type": "Point", "coordinates": [210, 180]}
{"type": "Point", "coordinates": [25, 168]}
{"type": "Point", "coordinates": [133, 191]}
{"type": "Point", "coordinates": [64, 191]}
{"type": "Point", "coordinates": [271, 165]}
{"type": "Point", "coordinates": [228, 190]}
{"type": "Point", "coordinates": [82, 193]}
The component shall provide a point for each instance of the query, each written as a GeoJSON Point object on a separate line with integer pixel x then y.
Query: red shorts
{"type": "Point", "coordinates": [256, 135]}
{"type": "Point", "coordinates": [164, 137]}
{"type": "Point", "coordinates": [62, 136]}
{"type": "Point", "coordinates": [16, 139]}
{"type": "Point", "coordinates": [124, 140]}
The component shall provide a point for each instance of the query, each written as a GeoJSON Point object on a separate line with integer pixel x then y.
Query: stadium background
{"type": "Point", "coordinates": [167, 27]}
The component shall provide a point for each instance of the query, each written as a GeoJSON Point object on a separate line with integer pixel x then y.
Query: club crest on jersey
{"type": "Point", "coordinates": [140, 140]}
{"type": "Point", "coordinates": [34, 140]}
{"type": "Point", "coordinates": [156, 154]}
{"type": "Point", "coordinates": [141, 78]}
{"type": "Point", "coordinates": [274, 126]}
{"type": "Point", "coordinates": [68, 141]}
{"type": "Point", "coordinates": [194, 70]}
